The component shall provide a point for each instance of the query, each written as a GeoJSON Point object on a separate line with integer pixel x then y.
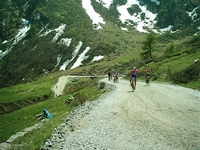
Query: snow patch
{"type": "Point", "coordinates": [21, 34]}
{"type": "Point", "coordinates": [47, 32]}
{"type": "Point", "coordinates": [60, 31]}
{"type": "Point", "coordinates": [65, 41]}
{"type": "Point", "coordinates": [74, 54]}
{"type": "Point", "coordinates": [105, 3]}
{"type": "Point", "coordinates": [95, 17]}
{"type": "Point", "coordinates": [81, 58]}
{"type": "Point", "coordinates": [4, 42]}
{"type": "Point", "coordinates": [156, 1]}
{"type": "Point", "coordinates": [193, 13]}
{"type": "Point", "coordinates": [25, 22]}
{"type": "Point", "coordinates": [169, 28]}
{"type": "Point", "coordinates": [96, 58]}
{"type": "Point", "coordinates": [125, 29]}
{"type": "Point", "coordinates": [58, 60]}
{"type": "Point", "coordinates": [125, 17]}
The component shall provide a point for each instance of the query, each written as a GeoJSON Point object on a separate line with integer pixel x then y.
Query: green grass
{"type": "Point", "coordinates": [27, 90]}
{"type": "Point", "coordinates": [18, 120]}
{"type": "Point", "coordinates": [192, 85]}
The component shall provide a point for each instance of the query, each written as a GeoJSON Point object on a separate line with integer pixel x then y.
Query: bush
{"type": "Point", "coordinates": [136, 63]}
{"type": "Point", "coordinates": [170, 49]}
{"type": "Point", "coordinates": [101, 85]}
{"type": "Point", "coordinates": [192, 73]}
{"type": "Point", "coordinates": [79, 99]}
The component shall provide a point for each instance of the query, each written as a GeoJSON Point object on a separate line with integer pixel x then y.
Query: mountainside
{"type": "Point", "coordinates": [42, 36]}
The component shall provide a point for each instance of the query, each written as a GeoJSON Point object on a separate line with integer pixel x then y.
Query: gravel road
{"type": "Point", "coordinates": [159, 116]}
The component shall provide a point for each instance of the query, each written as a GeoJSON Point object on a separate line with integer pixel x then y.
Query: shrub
{"type": "Point", "coordinates": [79, 98]}
{"type": "Point", "coordinates": [101, 85]}
{"type": "Point", "coordinates": [192, 73]}
{"type": "Point", "coordinates": [170, 49]}
{"type": "Point", "coordinates": [136, 63]}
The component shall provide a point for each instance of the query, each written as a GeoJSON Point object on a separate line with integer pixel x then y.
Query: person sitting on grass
{"type": "Point", "coordinates": [46, 114]}
{"type": "Point", "coordinates": [69, 99]}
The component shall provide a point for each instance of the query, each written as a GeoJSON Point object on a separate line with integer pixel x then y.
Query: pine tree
{"type": "Point", "coordinates": [148, 45]}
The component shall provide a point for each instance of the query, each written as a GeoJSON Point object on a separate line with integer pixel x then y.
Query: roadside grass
{"type": "Point", "coordinates": [37, 137]}
{"type": "Point", "coordinates": [193, 85]}
{"type": "Point", "coordinates": [16, 121]}
{"type": "Point", "coordinates": [30, 90]}
{"type": "Point", "coordinates": [163, 69]}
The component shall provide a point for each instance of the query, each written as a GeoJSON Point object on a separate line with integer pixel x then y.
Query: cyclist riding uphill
{"type": "Point", "coordinates": [46, 114]}
{"type": "Point", "coordinates": [148, 72]}
{"type": "Point", "coordinates": [133, 74]}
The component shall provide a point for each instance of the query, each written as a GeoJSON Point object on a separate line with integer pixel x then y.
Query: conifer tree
{"type": "Point", "coordinates": [148, 45]}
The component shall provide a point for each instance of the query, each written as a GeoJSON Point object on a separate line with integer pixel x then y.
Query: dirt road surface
{"type": "Point", "coordinates": [161, 116]}
{"type": "Point", "coordinates": [60, 85]}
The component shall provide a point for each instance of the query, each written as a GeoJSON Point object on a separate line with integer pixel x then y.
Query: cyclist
{"type": "Point", "coordinates": [148, 73]}
{"type": "Point", "coordinates": [133, 74]}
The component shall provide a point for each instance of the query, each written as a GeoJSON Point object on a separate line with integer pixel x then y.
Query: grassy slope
{"type": "Point", "coordinates": [25, 117]}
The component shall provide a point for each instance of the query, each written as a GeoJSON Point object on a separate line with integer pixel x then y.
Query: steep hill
{"type": "Point", "coordinates": [42, 36]}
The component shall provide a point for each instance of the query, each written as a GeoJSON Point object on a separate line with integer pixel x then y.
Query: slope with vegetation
{"type": "Point", "coordinates": [86, 89]}
{"type": "Point", "coordinates": [34, 54]}
{"type": "Point", "coordinates": [173, 57]}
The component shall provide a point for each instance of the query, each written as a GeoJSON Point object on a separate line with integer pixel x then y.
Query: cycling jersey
{"type": "Point", "coordinates": [133, 73]}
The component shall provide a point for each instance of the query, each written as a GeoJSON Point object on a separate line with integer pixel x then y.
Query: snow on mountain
{"type": "Point", "coordinates": [125, 17]}
{"type": "Point", "coordinates": [167, 28]}
{"type": "Point", "coordinates": [96, 58]}
{"type": "Point", "coordinates": [81, 57]}
{"type": "Point", "coordinates": [60, 31]}
{"type": "Point", "coordinates": [149, 20]}
{"type": "Point", "coordinates": [20, 35]}
{"type": "Point", "coordinates": [95, 17]}
{"type": "Point", "coordinates": [65, 41]}
{"type": "Point", "coordinates": [74, 54]}
{"type": "Point", "coordinates": [193, 14]}
{"type": "Point", "coordinates": [105, 3]}
{"type": "Point", "coordinates": [156, 1]}
{"type": "Point", "coordinates": [125, 29]}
